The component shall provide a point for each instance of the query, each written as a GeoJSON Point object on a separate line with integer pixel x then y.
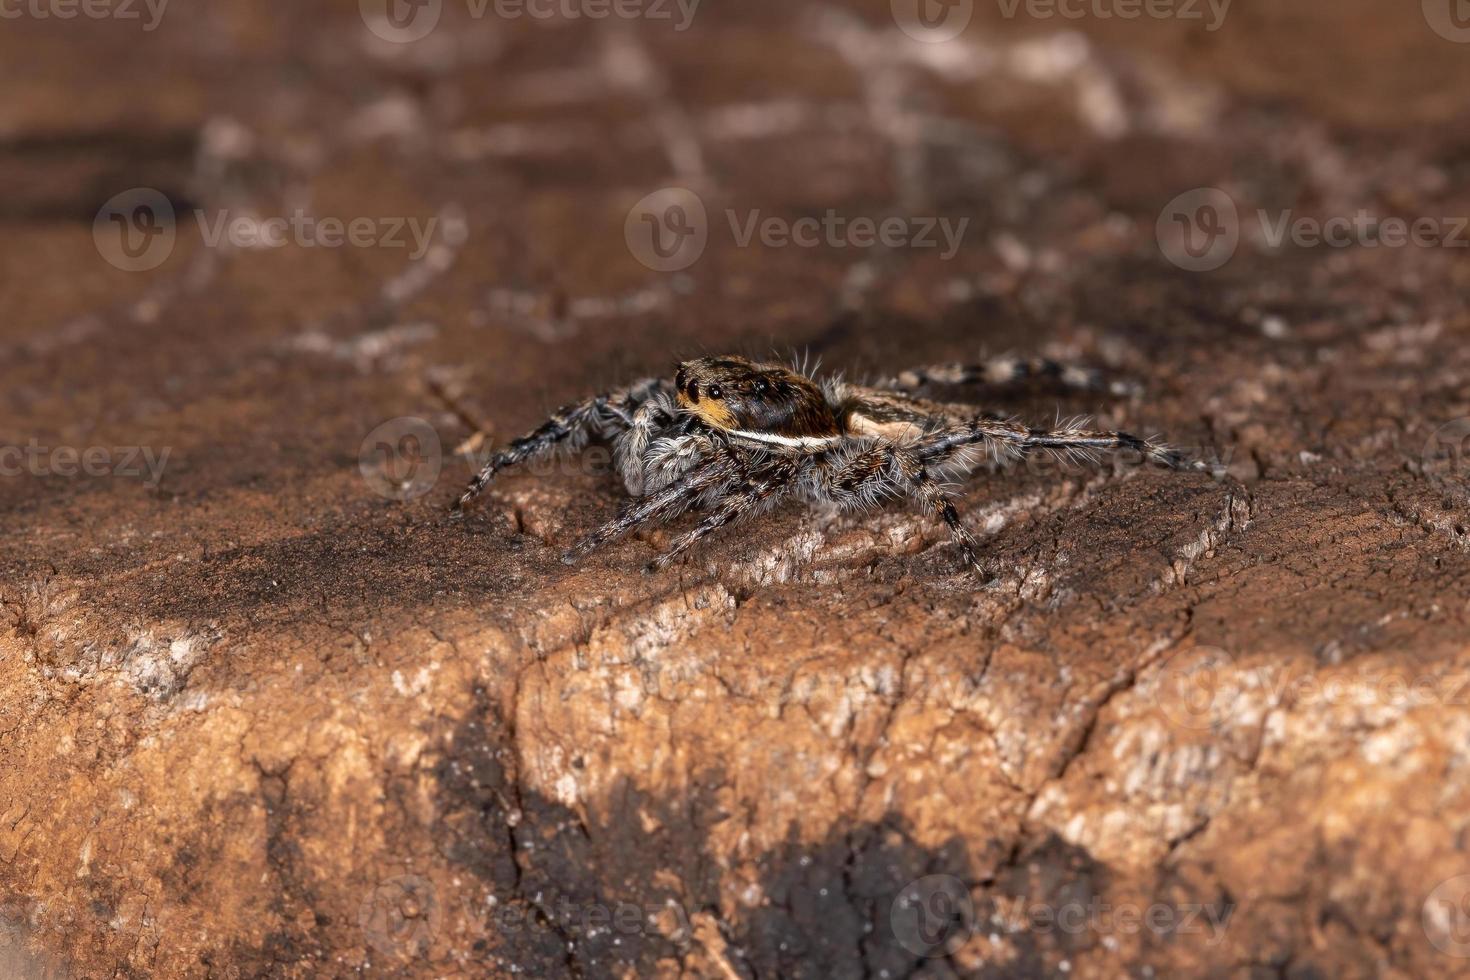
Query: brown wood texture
{"type": "Point", "coordinates": [260, 718]}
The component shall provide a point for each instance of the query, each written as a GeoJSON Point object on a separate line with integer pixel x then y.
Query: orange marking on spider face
{"type": "Point", "coordinates": [710, 411]}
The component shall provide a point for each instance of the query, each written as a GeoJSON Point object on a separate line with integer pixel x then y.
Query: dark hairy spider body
{"type": "Point", "coordinates": [732, 437]}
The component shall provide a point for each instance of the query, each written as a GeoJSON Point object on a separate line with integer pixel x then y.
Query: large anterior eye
{"type": "Point", "coordinates": [692, 391]}
{"type": "Point", "coordinates": [715, 392]}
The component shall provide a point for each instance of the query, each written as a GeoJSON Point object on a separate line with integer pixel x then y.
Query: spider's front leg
{"type": "Point", "coordinates": [571, 425]}
{"type": "Point", "coordinates": [865, 477]}
{"type": "Point", "coordinates": [661, 444]}
{"type": "Point", "coordinates": [670, 457]}
{"type": "Point", "coordinates": [704, 479]}
{"type": "Point", "coordinates": [1006, 370]}
{"type": "Point", "coordinates": [766, 484]}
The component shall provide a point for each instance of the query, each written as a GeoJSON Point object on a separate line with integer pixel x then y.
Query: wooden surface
{"type": "Point", "coordinates": [259, 717]}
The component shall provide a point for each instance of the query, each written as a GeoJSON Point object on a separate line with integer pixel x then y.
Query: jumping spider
{"type": "Point", "coordinates": [734, 437]}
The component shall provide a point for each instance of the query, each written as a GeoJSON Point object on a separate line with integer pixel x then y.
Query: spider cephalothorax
{"type": "Point", "coordinates": [735, 436]}
{"type": "Point", "coordinates": [759, 401]}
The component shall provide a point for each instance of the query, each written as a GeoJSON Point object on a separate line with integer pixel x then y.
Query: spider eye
{"type": "Point", "coordinates": [760, 387]}
{"type": "Point", "coordinates": [693, 391]}
{"type": "Point", "coordinates": [715, 392]}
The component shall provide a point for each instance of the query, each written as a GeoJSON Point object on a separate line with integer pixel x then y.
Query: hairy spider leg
{"type": "Point", "coordinates": [859, 480]}
{"type": "Point", "coordinates": [670, 457]}
{"type": "Point", "coordinates": [1008, 438]}
{"type": "Point", "coordinates": [1010, 369]}
{"type": "Point", "coordinates": [571, 425]}
{"type": "Point", "coordinates": [762, 488]}
{"type": "Point", "coordinates": [703, 479]}
{"type": "Point", "coordinates": [634, 449]}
